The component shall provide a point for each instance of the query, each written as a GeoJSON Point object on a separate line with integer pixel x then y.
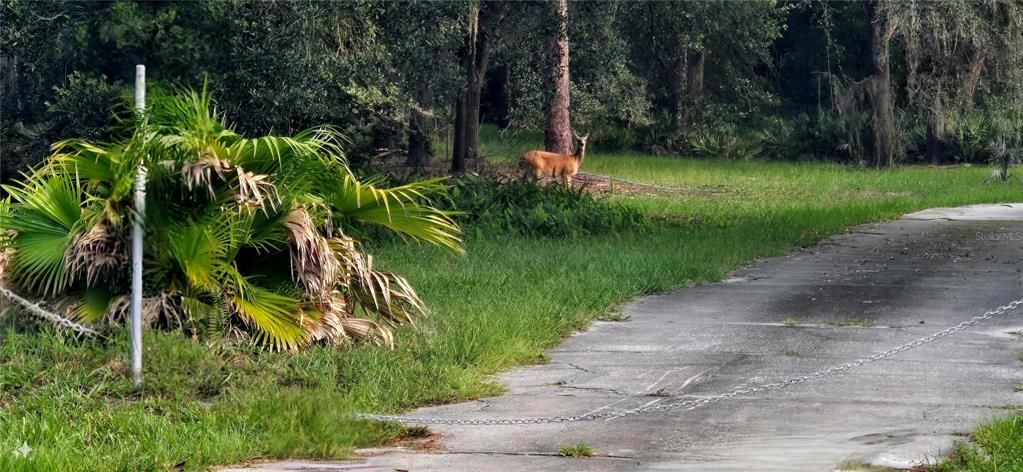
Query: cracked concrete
{"type": "Point", "coordinates": [909, 278]}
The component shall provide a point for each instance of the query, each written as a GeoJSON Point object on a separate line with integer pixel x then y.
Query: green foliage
{"type": "Point", "coordinates": [1004, 156]}
{"type": "Point", "coordinates": [970, 136]}
{"type": "Point", "coordinates": [727, 142]}
{"type": "Point", "coordinates": [576, 450]}
{"type": "Point", "coordinates": [84, 104]}
{"type": "Point", "coordinates": [800, 136]}
{"type": "Point", "coordinates": [995, 445]}
{"type": "Point", "coordinates": [251, 231]}
{"type": "Point", "coordinates": [522, 207]}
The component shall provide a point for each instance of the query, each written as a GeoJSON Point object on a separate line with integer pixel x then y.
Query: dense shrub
{"type": "Point", "coordinates": [726, 142]}
{"type": "Point", "coordinates": [500, 206]}
{"type": "Point", "coordinates": [969, 137]}
{"type": "Point", "coordinates": [803, 135]}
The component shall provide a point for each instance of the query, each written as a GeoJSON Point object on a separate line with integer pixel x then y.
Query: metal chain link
{"type": "Point", "coordinates": [56, 319]}
{"type": "Point", "coordinates": [693, 403]}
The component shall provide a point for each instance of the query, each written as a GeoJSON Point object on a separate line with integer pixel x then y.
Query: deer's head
{"type": "Point", "coordinates": [581, 139]}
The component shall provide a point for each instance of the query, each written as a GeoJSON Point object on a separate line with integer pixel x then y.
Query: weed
{"type": "Point", "coordinates": [576, 450]}
{"type": "Point", "coordinates": [791, 322]}
{"type": "Point", "coordinates": [994, 445]}
{"type": "Point", "coordinates": [614, 316]}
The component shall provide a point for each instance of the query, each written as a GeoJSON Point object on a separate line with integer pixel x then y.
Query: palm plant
{"type": "Point", "coordinates": [240, 233]}
{"type": "Point", "coordinates": [1004, 156]}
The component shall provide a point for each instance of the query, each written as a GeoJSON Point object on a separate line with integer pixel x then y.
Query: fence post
{"type": "Point", "coordinates": [135, 324]}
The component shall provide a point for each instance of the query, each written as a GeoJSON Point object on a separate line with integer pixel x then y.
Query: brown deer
{"type": "Point", "coordinates": [549, 164]}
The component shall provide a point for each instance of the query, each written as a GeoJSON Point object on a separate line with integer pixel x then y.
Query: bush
{"type": "Point", "coordinates": [246, 233]}
{"type": "Point", "coordinates": [970, 136]}
{"type": "Point", "coordinates": [802, 135]}
{"type": "Point", "coordinates": [726, 142]}
{"type": "Point", "coordinates": [498, 206]}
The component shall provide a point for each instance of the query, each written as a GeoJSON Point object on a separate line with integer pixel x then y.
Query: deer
{"type": "Point", "coordinates": [550, 164]}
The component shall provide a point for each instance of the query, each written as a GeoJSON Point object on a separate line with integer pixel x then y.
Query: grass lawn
{"type": "Point", "coordinates": [498, 306]}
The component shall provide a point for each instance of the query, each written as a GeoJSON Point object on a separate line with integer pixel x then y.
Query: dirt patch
{"type": "Point", "coordinates": [416, 438]}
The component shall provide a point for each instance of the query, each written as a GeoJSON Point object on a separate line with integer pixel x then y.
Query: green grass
{"type": "Point", "coordinates": [994, 446]}
{"type": "Point", "coordinates": [576, 450]}
{"type": "Point", "coordinates": [499, 306]}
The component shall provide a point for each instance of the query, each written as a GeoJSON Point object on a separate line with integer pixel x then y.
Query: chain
{"type": "Point", "coordinates": [56, 319]}
{"type": "Point", "coordinates": [693, 403]}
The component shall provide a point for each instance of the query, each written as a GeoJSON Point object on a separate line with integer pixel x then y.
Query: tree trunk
{"type": "Point", "coordinates": [558, 132]}
{"type": "Point", "coordinates": [420, 149]}
{"type": "Point", "coordinates": [694, 83]}
{"type": "Point", "coordinates": [503, 106]}
{"type": "Point", "coordinates": [458, 144]}
{"type": "Point", "coordinates": [467, 116]}
{"type": "Point", "coordinates": [9, 81]}
{"type": "Point", "coordinates": [676, 80]}
{"type": "Point", "coordinates": [969, 87]}
{"type": "Point", "coordinates": [882, 103]}
{"type": "Point", "coordinates": [936, 129]}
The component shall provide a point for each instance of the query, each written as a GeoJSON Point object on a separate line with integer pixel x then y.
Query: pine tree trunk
{"type": "Point", "coordinates": [882, 103]}
{"type": "Point", "coordinates": [694, 83]}
{"type": "Point", "coordinates": [558, 132]}
{"type": "Point", "coordinates": [458, 144]}
{"type": "Point", "coordinates": [467, 115]}
{"type": "Point", "coordinates": [936, 129]}
{"type": "Point", "coordinates": [420, 149]}
{"type": "Point", "coordinates": [503, 105]}
{"type": "Point", "coordinates": [676, 80]}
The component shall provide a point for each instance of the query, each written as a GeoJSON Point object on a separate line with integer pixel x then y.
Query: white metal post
{"type": "Point", "coordinates": [135, 324]}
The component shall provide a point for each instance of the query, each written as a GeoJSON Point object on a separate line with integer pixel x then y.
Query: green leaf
{"type": "Point", "coordinates": [404, 210]}
{"type": "Point", "coordinates": [45, 218]}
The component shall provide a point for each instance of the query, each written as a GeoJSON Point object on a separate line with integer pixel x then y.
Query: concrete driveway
{"type": "Point", "coordinates": [854, 295]}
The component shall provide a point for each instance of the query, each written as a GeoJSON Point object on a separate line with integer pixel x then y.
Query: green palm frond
{"type": "Point", "coordinates": [92, 304]}
{"type": "Point", "coordinates": [46, 217]}
{"type": "Point", "coordinates": [275, 153]}
{"type": "Point", "coordinates": [279, 322]}
{"type": "Point", "coordinates": [197, 249]}
{"type": "Point", "coordinates": [404, 210]}
{"type": "Point", "coordinates": [205, 317]}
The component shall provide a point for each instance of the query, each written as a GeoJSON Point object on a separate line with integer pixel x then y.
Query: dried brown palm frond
{"type": "Point", "coordinates": [164, 307]}
{"type": "Point", "coordinates": [351, 259]}
{"type": "Point", "coordinates": [200, 172]}
{"type": "Point", "coordinates": [336, 324]}
{"type": "Point", "coordinates": [333, 309]}
{"type": "Point", "coordinates": [388, 295]}
{"type": "Point", "coordinates": [256, 189]}
{"type": "Point", "coordinates": [5, 258]}
{"type": "Point", "coordinates": [313, 263]}
{"type": "Point", "coordinates": [383, 293]}
{"type": "Point", "coordinates": [99, 250]}
{"type": "Point", "coordinates": [367, 329]}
